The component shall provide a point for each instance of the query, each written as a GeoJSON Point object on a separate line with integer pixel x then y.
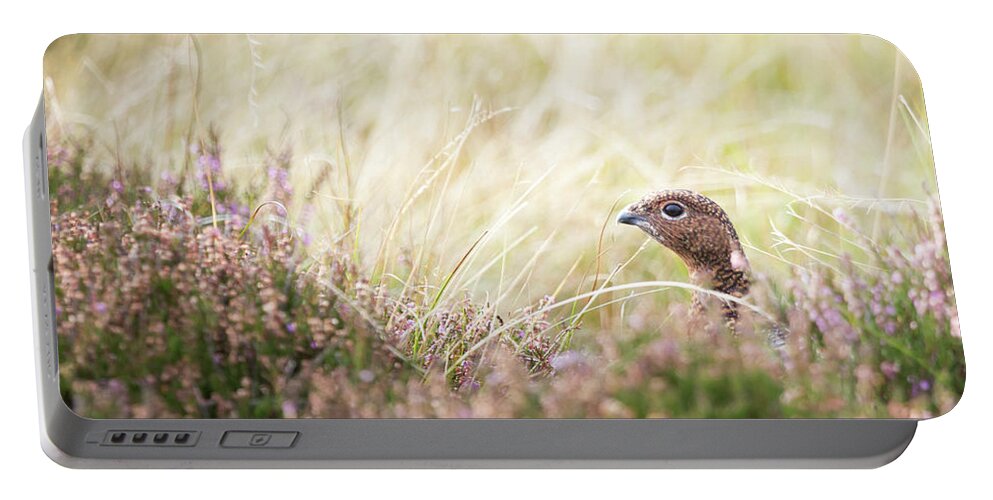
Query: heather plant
{"type": "Point", "coordinates": [166, 313]}
{"type": "Point", "coordinates": [889, 326]}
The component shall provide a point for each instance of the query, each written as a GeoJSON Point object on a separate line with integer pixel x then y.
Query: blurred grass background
{"type": "Point", "coordinates": [587, 122]}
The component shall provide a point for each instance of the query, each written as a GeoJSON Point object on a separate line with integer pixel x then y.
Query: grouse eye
{"type": "Point", "coordinates": [673, 210]}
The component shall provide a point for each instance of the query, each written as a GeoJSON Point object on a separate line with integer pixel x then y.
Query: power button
{"type": "Point", "coordinates": [260, 439]}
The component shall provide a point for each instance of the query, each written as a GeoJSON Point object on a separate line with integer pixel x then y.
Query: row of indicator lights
{"type": "Point", "coordinates": [142, 437]}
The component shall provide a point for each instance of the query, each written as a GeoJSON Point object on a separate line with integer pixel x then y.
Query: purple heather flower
{"type": "Point", "coordinates": [821, 323]}
{"type": "Point", "coordinates": [567, 360]}
{"type": "Point", "coordinates": [936, 300]}
{"type": "Point", "coordinates": [291, 327]}
{"type": "Point", "coordinates": [280, 178]}
{"type": "Point", "coordinates": [918, 387]}
{"type": "Point", "coordinates": [289, 409]}
{"type": "Point", "coordinates": [115, 385]}
{"type": "Point", "coordinates": [212, 164]}
{"type": "Point", "coordinates": [890, 327]}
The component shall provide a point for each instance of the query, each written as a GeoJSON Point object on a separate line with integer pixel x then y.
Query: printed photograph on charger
{"type": "Point", "coordinates": [445, 226]}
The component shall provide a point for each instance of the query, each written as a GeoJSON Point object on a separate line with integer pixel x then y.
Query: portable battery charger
{"type": "Point", "coordinates": [486, 251]}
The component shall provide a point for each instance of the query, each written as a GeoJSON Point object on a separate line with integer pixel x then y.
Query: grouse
{"type": "Point", "coordinates": [699, 231]}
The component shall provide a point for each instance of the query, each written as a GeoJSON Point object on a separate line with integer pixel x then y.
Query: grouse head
{"type": "Point", "coordinates": [699, 231]}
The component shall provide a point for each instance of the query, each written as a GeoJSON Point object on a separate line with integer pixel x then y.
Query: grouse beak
{"type": "Point", "coordinates": [640, 221]}
{"type": "Point", "coordinates": [632, 219]}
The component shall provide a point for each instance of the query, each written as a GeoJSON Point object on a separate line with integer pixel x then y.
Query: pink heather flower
{"type": "Point", "coordinates": [889, 369]}
{"type": "Point", "coordinates": [931, 279]}
{"type": "Point", "coordinates": [841, 216]}
{"type": "Point", "coordinates": [877, 309]}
